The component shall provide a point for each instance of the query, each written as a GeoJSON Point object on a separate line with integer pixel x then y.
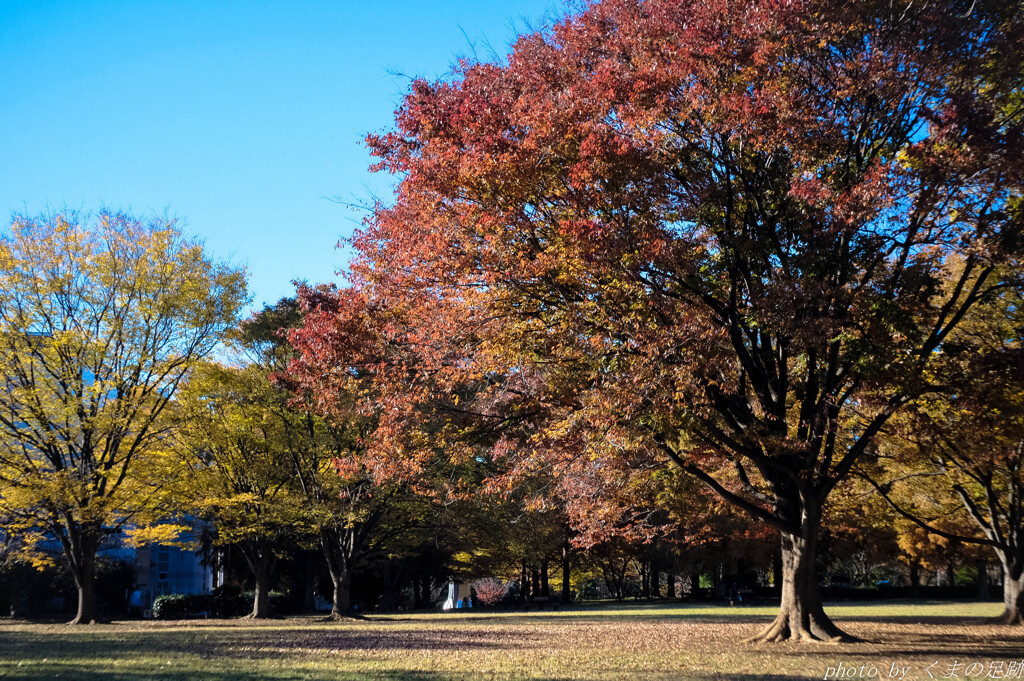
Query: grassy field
{"type": "Point", "coordinates": [588, 642]}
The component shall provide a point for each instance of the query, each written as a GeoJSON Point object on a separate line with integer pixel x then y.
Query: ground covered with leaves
{"type": "Point", "coordinates": [903, 641]}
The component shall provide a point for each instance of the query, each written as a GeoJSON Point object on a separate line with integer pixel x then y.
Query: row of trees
{"type": "Point", "coordinates": [773, 246]}
{"type": "Point", "coordinates": [115, 421]}
{"type": "Point", "coordinates": [119, 423]}
{"type": "Point", "coordinates": [239, 442]}
{"type": "Point", "coordinates": [769, 251]}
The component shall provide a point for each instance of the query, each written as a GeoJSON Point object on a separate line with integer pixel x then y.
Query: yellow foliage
{"type": "Point", "coordinates": [100, 320]}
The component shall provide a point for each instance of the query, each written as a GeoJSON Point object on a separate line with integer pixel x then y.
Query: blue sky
{"type": "Point", "coordinates": [246, 119]}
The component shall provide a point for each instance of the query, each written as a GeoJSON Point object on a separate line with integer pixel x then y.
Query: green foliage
{"type": "Point", "coordinates": [221, 603]}
{"type": "Point", "coordinates": [171, 606]}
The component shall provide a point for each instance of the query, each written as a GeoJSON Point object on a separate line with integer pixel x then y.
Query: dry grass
{"type": "Point", "coordinates": [632, 642]}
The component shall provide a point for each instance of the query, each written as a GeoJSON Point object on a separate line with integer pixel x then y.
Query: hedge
{"type": "Point", "coordinates": [220, 604]}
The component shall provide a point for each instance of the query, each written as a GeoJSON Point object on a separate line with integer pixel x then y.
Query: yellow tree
{"type": "Point", "coordinates": [101, 318]}
{"type": "Point", "coordinates": [237, 469]}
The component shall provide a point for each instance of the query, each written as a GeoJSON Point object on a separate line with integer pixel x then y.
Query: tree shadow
{"type": "Point", "coordinates": [84, 673]}
{"type": "Point", "coordinates": [241, 642]}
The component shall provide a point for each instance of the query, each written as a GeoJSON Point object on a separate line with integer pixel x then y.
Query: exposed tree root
{"type": "Point", "coordinates": [338, 617]}
{"type": "Point", "coordinates": [816, 630]}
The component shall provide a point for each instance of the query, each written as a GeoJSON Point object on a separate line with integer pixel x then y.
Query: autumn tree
{"type": "Point", "coordinates": [340, 504]}
{"type": "Point", "coordinates": [962, 450]}
{"type": "Point", "coordinates": [859, 539]}
{"type": "Point", "coordinates": [101, 318]}
{"type": "Point", "coordinates": [718, 232]}
{"type": "Point", "coordinates": [358, 502]}
{"type": "Point", "coordinates": [237, 470]}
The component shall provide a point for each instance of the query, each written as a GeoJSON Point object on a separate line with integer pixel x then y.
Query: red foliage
{"type": "Point", "coordinates": [490, 591]}
{"type": "Point", "coordinates": [705, 234]}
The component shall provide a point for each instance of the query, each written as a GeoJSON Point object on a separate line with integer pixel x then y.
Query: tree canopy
{"type": "Point", "coordinates": [696, 234]}
{"type": "Point", "coordinates": [101, 318]}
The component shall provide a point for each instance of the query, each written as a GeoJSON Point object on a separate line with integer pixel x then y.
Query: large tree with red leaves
{"type": "Point", "coordinates": [703, 233]}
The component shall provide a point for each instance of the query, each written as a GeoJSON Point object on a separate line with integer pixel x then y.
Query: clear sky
{"type": "Point", "coordinates": [246, 119]}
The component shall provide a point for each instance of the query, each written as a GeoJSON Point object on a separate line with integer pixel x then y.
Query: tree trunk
{"type": "Point", "coordinates": [261, 595]}
{"type": "Point", "coordinates": [801, 615]}
{"type": "Point", "coordinates": [85, 580]}
{"type": "Point", "coordinates": [545, 589]}
{"type": "Point", "coordinates": [1013, 598]}
{"type": "Point", "coordinates": [342, 605]}
{"type": "Point", "coordinates": [915, 579]}
{"type": "Point", "coordinates": [309, 590]}
{"type": "Point", "coordinates": [534, 583]}
{"type": "Point", "coordinates": [84, 570]}
{"type": "Point", "coordinates": [341, 575]}
{"type": "Point", "coordinates": [566, 583]}
{"type": "Point", "coordinates": [983, 591]}
{"type": "Point", "coordinates": [417, 593]}
{"type": "Point", "coordinates": [670, 585]}
{"type": "Point", "coordinates": [394, 573]}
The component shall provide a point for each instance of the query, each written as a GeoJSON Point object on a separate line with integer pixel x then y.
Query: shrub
{"type": "Point", "coordinates": [224, 602]}
{"type": "Point", "coordinates": [490, 591]}
{"type": "Point", "coordinates": [170, 607]}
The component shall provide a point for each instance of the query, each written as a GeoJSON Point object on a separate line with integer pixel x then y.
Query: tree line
{"type": "Point", "coordinates": [666, 252]}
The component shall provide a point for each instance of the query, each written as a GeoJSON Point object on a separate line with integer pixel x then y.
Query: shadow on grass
{"type": "Point", "coordinates": [242, 642]}
{"type": "Point", "coordinates": [208, 654]}
{"type": "Point", "coordinates": [83, 673]}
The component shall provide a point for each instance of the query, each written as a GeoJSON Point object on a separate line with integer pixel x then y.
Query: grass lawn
{"type": "Point", "coordinates": [587, 642]}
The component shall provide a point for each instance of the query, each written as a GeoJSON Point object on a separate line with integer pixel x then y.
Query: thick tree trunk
{"type": "Point", "coordinates": [545, 587]}
{"type": "Point", "coordinates": [261, 595]}
{"type": "Point", "coordinates": [670, 585]}
{"type": "Point", "coordinates": [915, 579]}
{"type": "Point", "coordinates": [342, 605]}
{"type": "Point", "coordinates": [340, 568]}
{"type": "Point", "coordinates": [801, 615]}
{"type": "Point", "coordinates": [85, 580]}
{"type": "Point", "coordinates": [1013, 598]}
{"type": "Point", "coordinates": [84, 571]}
